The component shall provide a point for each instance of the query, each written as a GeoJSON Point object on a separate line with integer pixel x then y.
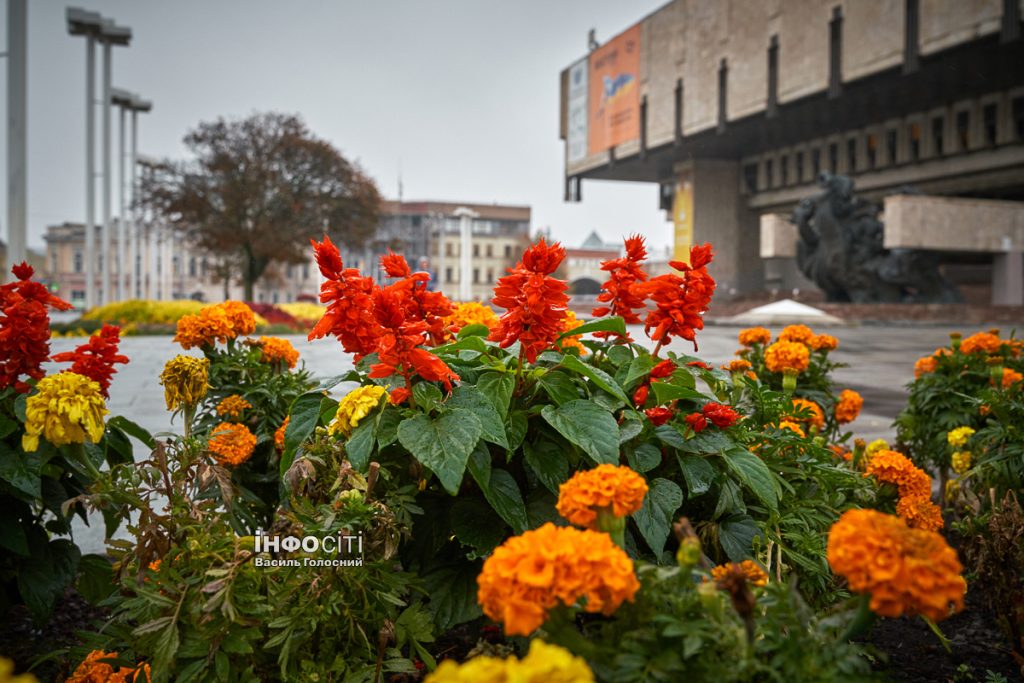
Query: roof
{"type": "Point", "coordinates": [496, 212]}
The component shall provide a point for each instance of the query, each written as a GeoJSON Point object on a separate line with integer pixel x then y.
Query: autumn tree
{"type": "Point", "coordinates": [257, 189]}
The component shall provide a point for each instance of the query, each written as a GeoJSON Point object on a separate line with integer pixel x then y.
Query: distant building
{"type": "Point", "coordinates": [583, 264]}
{"type": "Point", "coordinates": [33, 257]}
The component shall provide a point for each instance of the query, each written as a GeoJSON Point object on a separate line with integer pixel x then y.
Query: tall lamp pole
{"type": "Point", "coordinates": [138, 105]}
{"type": "Point", "coordinates": [127, 274]}
{"type": "Point", "coordinates": [110, 35]}
{"type": "Point", "coordinates": [17, 117]}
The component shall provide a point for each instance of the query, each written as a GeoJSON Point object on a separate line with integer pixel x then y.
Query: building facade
{"type": "Point", "coordinates": [734, 107]}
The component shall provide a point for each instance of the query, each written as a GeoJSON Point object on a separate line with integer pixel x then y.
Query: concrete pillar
{"type": "Point", "coordinates": [1008, 279]}
{"type": "Point", "coordinates": [721, 216]}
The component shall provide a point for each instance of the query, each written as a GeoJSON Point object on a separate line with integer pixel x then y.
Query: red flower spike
{"type": "Point", "coordinates": [25, 328]}
{"type": "Point", "coordinates": [698, 364]}
{"type": "Point", "coordinates": [659, 416]}
{"type": "Point", "coordinates": [418, 302]}
{"type": "Point", "coordinates": [696, 421]}
{"type": "Point", "coordinates": [349, 298]}
{"type": "Point", "coordinates": [96, 358]}
{"type": "Point", "coordinates": [395, 265]}
{"type": "Point", "coordinates": [680, 300]}
{"type": "Point", "coordinates": [640, 395]}
{"type": "Point", "coordinates": [721, 415]}
{"type": "Point", "coordinates": [663, 369]}
{"type": "Point", "coordinates": [620, 291]}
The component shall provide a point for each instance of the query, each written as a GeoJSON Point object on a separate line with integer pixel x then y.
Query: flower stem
{"type": "Point", "coordinates": [863, 620]}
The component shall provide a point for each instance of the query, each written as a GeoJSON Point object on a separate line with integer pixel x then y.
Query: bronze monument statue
{"type": "Point", "coordinates": [840, 249]}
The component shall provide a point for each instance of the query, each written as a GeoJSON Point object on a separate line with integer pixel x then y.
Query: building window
{"type": "Point", "coordinates": [1017, 111]}
{"type": "Point", "coordinates": [490, 251]}
{"type": "Point", "coordinates": [176, 265]}
{"type": "Point", "coordinates": [851, 155]}
{"type": "Point", "coordinates": [910, 33]}
{"type": "Point", "coordinates": [679, 110]}
{"type": "Point", "coordinates": [915, 141]}
{"type": "Point", "coordinates": [938, 126]}
{"type": "Point", "coordinates": [963, 129]}
{"type": "Point", "coordinates": [274, 297]}
{"type": "Point", "coordinates": [890, 145]}
{"type": "Point", "coordinates": [476, 276]}
{"type": "Point", "coordinates": [768, 174]}
{"type": "Point", "coordinates": [99, 263]}
{"type": "Point", "coordinates": [1010, 30]}
{"type": "Point", "coordinates": [799, 167]}
{"type": "Point", "coordinates": [476, 251]}
{"type": "Point", "coordinates": [990, 121]}
{"type": "Point", "coordinates": [872, 150]}
{"type": "Point", "coordinates": [784, 170]}
{"type": "Point", "coordinates": [77, 295]}
{"type": "Point", "coordinates": [833, 158]}
{"type": "Point", "coordinates": [305, 271]}
{"type": "Point", "coordinates": [448, 249]}
{"type": "Point", "coordinates": [192, 267]}
{"type": "Point", "coordinates": [448, 276]}
{"type": "Point", "coordinates": [816, 163]}
{"type": "Point", "coordinates": [508, 251]}
{"type": "Point", "coordinates": [773, 77]}
{"type": "Point", "coordinates": [53, 261]}
{"type": "Point", "coordinates": [750, 178]}
{"type": "Point", "coordinates": [78, 262]}
{"type": "Point", "coordinates": [723, 87]}
{"type": "Point", "coordinates": [490, 275]}
{"type": "Point", "coordinates": [835, 52]}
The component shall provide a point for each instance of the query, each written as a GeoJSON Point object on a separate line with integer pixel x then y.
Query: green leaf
{"type": "Point", "coordinates": [665, 392]}
{"type": "Point", "coordinates": [12, 534]}
{"type": "Point", "coordinates": [452, 590]}
{"type": "Point", "coordinates": [630, 427]}
{"type": "Point", "coordinates": [498, 388]}
{"type": "Point", "coordinates": [426, 396]}
{"type": "Point", "coordinates": [442, 443]}
{"type": "Point", "coordinates": [644, 458]}
{"type": "Point", "coordinates": [359, 446]}
{"type": "Point", "coordinates": [559, 386]}
{"type": "Point", "coordinates": [754, 474]}
{"type": "Point", "coordinates": [21, 470]}
{"type": "Point", "coordinates": [95, 578]}
{"type": "Point", "coordinates": [476, 524]}
{"type": "Point", "coordinates": [479, 465]}
{"type": "Point", "coordinates": [599, 377]}
{"type": "Point", "coordinates": [547, 460]}
{"type": "Point", "coordinates": [304, 416]}
{"type": "Point", "coordinates": [654, 518]}
{"type": "Point", "coordinates": [503, 494]}
{"type": "Point", "coordinates": [710, 441]}
{"type": "Point", "coordinates": [132, 429]}
{"type": "Point", "coordinates": [516, 428]}
{"type": "Point", "coordinates": [639, 368]}
{"type": "Point", "coordinates": [670, 436]}
{"type": "Point", "coordinates": [736, 534]}
{"type": "Point", "coordinates": [698, 473]}
{"type": "Point", "coordinates": [588, 426]}
{"type": "Point", "coordinates": [387, 426]}
{"type": "Point", "coordinates": [610, 324]}
{"type": "Point", "coordinates": [473, 400]}
{"type": "Point", "coordinates": [619, 355]}
{"type": "Point", "coordinates": [473, 330]}
{"type": "Point", "coordinates": [43, 578]}
{"type": "Point", "coordinates": [7, 426]}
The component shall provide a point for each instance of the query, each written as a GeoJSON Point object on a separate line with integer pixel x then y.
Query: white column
{"type": "Point", "coordinates": [466, 217]}
{"type": "Point", "coordinates": [17, 120]}
{"type": "Point", "coordinates": [90, 172]}
{"type": "Point", "coordinates": [133, 224]}
{"type": "Point", "coordinates": [122, 233]}
{"type": "Point", "coordinates": [105, 291]}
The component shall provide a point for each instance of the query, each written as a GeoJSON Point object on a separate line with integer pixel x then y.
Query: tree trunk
{"type": "Point", "coordinates": [251, 272]}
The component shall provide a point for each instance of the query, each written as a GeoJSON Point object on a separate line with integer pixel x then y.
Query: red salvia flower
{"type": "Point", "coordinates": [663, 369]}
{"type": "Point", "coordinates": [419, 302]}
{"type": "Point", "coordinates": [25, 328]}
{"type": "Point", "coordinates": [96, 358]}
{"type": "Point", "coordinates": [534, 302]}
{"type": "Point", "coordinates": [640, 395]}
{"type": "Point", "coordinates": [619, 292]}
{"type": "Point", "coordinates": [699, 364]}
{"type": "Point", "coordinates": [659, 416]}
{"type": "Point", "coordinates": [696, 421]}
{"type": "Point", "coordinates": [680, 300]}
{"type": "Point", "coordinates": [721, 415]}
{"type": "Point", "coordinates": [349, 298]}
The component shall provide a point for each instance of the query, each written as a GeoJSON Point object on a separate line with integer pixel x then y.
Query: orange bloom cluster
{"type": "Point", "coordinates": [25, 328]}
{"type": "Point", "coordinates": [231, 443]}
{"type": "Point", "coordinates": [815, 415]}
{"type": "Point", "coordinates": [618, 293]}
{"type": "Point", "coordinates": [755, 335]}
{"type": "Point", "coordinates": [981, 342]}
{"type": "Point", "coordinates": [277, 350]}
{"type": "Point", "coordinates": [919, 512]}
{"type": "Point", "coordinates": [528, 575]}
{"type": "Point", "coordinates": [906, 571]}
{"type": "Point", "coordinates": [1010, 377]}
{"type": "Point", "coordinates": [748, 571]}
{"type": "Point", "coordinates": [535, 303]}
{"type": "Point", "coordinates": [848, 407]}
{"type": "Point", "coordinates": [394, 321]}
{"type": "Point", "coordinates": [470, 313]}
{"type": "Point", "coordinates": [571, 322]}
{"type": "Point", "coordinates": [279, 434]}
{"type": "Point", "coordinates": [216, 323]}
{"type": "Point", "coordinates": [233, 406]}
{"type": "Point", "coordinates": [925, 365]}
{"type": "Point", "coordinates": [680, 300]}
{"type": "Point", "coordinates": [613, 487]}
{"type": "Point", "coordinates": [96, 358]}
{"type": "Point", "coordinates": [793, 427]}
{"type": "Point", "coordinates": [890, 467]}
{"type": "Point", "coordinates": [787, 356]}
{"type": "Point", "coordinates": [797, 333]}
{"type": "Point", "coordinates": [738, 365]}
{"type": "Point", "coordinates": [823, 342]}
{"type": "Point", "coordinates": [94, 670]}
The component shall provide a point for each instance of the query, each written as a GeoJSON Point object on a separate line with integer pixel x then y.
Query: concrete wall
{"type": "Point", "coordinates": [954, 224]}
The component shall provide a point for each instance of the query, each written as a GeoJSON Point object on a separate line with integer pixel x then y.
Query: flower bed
{"type": "Point", "coordinates": [615, 510]}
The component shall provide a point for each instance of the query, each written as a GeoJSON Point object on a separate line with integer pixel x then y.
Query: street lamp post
{"type": "Point", "coordinates": [138, 105]}
{"type": "Point", "coordinates": [127, 102]}
{"type": "Point", "coordinates": [17, 118]}
{"type": "Point", "coordinates": [465, 216]}
{"type": "Point", "coordinates": [110, 35]}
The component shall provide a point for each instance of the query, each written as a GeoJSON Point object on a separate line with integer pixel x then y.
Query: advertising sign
{"type": "Point", "coordinates": [577, 150]}
{"type": "Point", "coordinates": [682, 219]}
{"type": "Point", "coordinates": [615, 91]}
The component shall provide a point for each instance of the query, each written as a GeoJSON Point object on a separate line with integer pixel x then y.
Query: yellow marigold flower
{"type": "Point", "coordinates": [959, 436]}
{"type": "Point", "coordinates": [823, 342]}
{"type": "Point", "coordinates": [231, 443]}
{"type": "Point", "coordinates": [528, 575]}
{"type": "Point", "coordinates": [816, 415]}
{"type": "Point", "coordinates": [570, 322]}
{"type": "Point", "coordinates": [747, 570]}
{"type": "Point", "coordinates": [738, 365]}
{"type": "Point", "coordinates": [65, 408]}
{"type": "Point", "coordinates": [877, 445]}
{"type": "Point", "coordinates": [93, 669]}
{"type": "Point", "coordinates": [279, 434]}
{"type": "Point", "coordinates": [890, 467]}
{"type": "Point", "coordinates": [355, 405]}
{"type": "Point", "coordinates": [982, 342]}
{"type": "Point", "coordinates": [232, 406]}
{"type": "Point", "coordinates": [755, 335]}
{"type": "Point", "coordinates": [796, 333]}
{"type": "Point", "coordinates": [787, 356]}
{"type": "Point", "coordinates": [185, 380]}
{"type": "Point", "coordinates": [793, 427]}
{"type": "Point", "coordinates": [277, 350]}
{"type": "Point", "coordinates": [470, 313]}
{"type": "Point", "coordinates": [906, 571]}
{"type": "Point", "coordinates": [1010, 377]}
{"type": "Point", "coordinates": [925, 366]}
{"type": "Point", "coordinates": [612, 488]}
{"type": "Point", "coordinates": [848, 407]}
{"type": "Point", "coordinates": [7, 673]}
{"type": "Point", "coordinates": [240, 316]}
{"type": "Point", "coordinates": [961, 461]}
{"type": "Point", "coordinates": [543, 663]}
{"type": "Point", "coordinates": [919, 512]}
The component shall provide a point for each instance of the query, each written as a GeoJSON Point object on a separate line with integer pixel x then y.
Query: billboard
{"type": "Point", "coordinates": [615, 91]}
{"type": "Point", "coordinates": [682, 219]}
{"type": "Point", "coordinates": [577, 123]}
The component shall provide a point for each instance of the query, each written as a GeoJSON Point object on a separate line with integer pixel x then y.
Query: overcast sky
{"type": "Point", "coordinates": [461, 95]}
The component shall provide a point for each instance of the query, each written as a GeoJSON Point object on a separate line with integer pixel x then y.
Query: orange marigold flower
{"type": "Point", "coordinates": [277, 350]}
{"type": "Point", "coordinates": [848, 407]}
{"type": "Point", "coordinates": [925, 365]}
{"type": "Point", "coordinates": [570, 322]}
{"type": "Point", "coordinates": [793, 427]}
{"type": "Point", "coordinates": [606, 487]}
{"type": "Point", "coordinates": [919, 512]}
{"type": "Point", "coordinates": [823, 342]}
{"type": "Point", "coordinates": [240, 317]}
{"type": "Point", "coordinates": [841, 452]}
{"type": "Point", "coordinates": [796, 333]}
{"type": "Point", "coordinates": [906, 571]}
{"type": "Point", "coordinates": [530, 574]}
{"type": "Point", "coordinates": [231, 443]}
{"type": "Point", "coordinates": [738, 365]}
{"type": "Point", "coordinates": [890, 467]}
{"type": "Point", "coordinates": [280, 432]}
{"type": "Point", "coordinates": [680, 300]}
{"type": "Point", "coordinates": [349, 298]}
{"type": "Point", "coordinates": [232, 406]}
{"type": "Point", "coordinates": [535, 303]}
{"type": "Point", "coordinates": [787, 356]}
{"type": "Point", "coordinates": [813, 414]}
{"type": "Point", "coordinates": [93, 669]}
{"type": "Point", "coordinates": [1010, 377]}
{"type": "Point", "coordinates": [755, 335]}
{"type": "Point", "coordinates": [205, 328]}
{"type": "Point", "coordinates": [747, 571]}
{"type": "Point", "coordinates": [470, 313]}
{"type": "Point", "coordinates": [619, 293]}
{"type": "Point", "coordinates": [96, 358]}
{"type": "Point", "coordinates": [25, 328]}
{"type": "Point", "coordinates": [983, 342]}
